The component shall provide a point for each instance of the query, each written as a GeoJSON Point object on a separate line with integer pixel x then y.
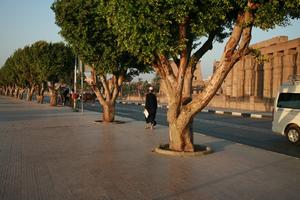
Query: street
{"type": "Point", "coordinates": [243, 130]}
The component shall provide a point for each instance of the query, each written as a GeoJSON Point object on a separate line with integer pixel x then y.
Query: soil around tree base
{"type": "Point", "coordinates": [200, 150]}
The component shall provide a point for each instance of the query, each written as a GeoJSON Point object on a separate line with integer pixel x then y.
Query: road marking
{"type": "Point", "coordinates": [256, 116]}
{"type": "Point", "coordinates": [236, 114]}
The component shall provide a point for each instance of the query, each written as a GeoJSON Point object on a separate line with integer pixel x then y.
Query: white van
{"type": "Point", "coordinates": [286, 116]}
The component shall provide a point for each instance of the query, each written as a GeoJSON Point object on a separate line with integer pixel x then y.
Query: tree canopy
{"type": "Point", "coordinates": [38, 63]}
{"type": "Point", "coordinates": [158, 31]}
{"type": "Point", "coordinates": [84, 26]}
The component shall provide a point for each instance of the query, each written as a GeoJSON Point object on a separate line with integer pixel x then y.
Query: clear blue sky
{"type": "Point", "coordinates": [23, 22]}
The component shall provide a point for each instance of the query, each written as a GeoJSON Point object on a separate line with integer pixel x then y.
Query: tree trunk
{"type": "Point", "coordinates": [108, 112]}
{"type": "Point", "coordinates": [21, 93]}
{"type": "Point", "coordinates": [16, 92]}
{"type": "Point", "coordinates": [181, 137]}
{"type": "Point", "coordinates": [40, 99]}
{"type": "Point", "coordinates": [188, 83]}
{"type": "Point", "coordinates": [40, 93]}
{"type": "Point", "coordinates": [30, 93]}
{"type": "Point", "coordinates": [6, 91]}
{"type": "Point", "coordinates": [53, 99]}
{"type": "Point", "coordinates": [12, 91]}
{"type": "Point", "coordinates": [180, 134]}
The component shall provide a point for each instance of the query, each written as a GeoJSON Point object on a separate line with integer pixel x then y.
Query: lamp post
{"type": "Point", "coordinates": [81, 77]}
{"type": "Point", "coordinates": [75, 81]}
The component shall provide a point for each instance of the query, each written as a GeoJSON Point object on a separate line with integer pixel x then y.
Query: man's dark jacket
{"type": "Point", "coordinates": [151, 103]}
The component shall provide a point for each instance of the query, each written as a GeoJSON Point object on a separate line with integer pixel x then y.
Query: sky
{"type": "Point", "coordinates": [24, 22]}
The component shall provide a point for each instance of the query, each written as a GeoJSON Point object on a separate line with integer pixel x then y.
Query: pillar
{"type": "Point", "coordinates": [228, 84]}
{"type": "Point", "coordinates": [234, 81]}
{"type": "Point", "coordinates": [249, 68]}
{"type": "Point", "coordinates": [240, 78]}
{"type": "Point", "coordinates": [298, 61]}
{"type": "Point", "coordinates": [289, 64]}
{"type": "Point", "coordinates": [259, 80]}
{"type": "Point", "coordinates": [277, 72]}
{"type": "Point", "coordinates": [268, 77]}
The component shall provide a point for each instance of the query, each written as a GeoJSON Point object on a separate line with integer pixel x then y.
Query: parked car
{"type": "Point", "coordinates": [286, 115]}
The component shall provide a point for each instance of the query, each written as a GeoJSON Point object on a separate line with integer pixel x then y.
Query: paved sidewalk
{"type": "Point", "coordinates": [56, 154]}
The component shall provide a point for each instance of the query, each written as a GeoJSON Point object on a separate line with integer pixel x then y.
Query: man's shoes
{"type": "Point", "coordinates": [152, 126]}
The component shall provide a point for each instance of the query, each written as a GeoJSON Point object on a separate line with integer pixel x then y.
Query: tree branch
{"type": "Point", "coordinates": [241, 34]}
{"type": "Point", "coordinates": [95, 86]}
{"type": "Point", "coordinates": [105, 86]}
{"type": "Point", "coordinates": [168, 71]}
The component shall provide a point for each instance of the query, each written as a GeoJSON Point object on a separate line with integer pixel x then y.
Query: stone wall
{"type": "Point", "coordinates": [254, 85]}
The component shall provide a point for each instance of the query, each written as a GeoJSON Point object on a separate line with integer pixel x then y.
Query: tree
{"type": "Point", "coordinates": [84, 27]}
{"type": "Point", "coordinates": [59, 62]}
{"type": "Point", "coordinates": [7, 77]}
{"type": "Point", "coordinates": [40, 60]}
{"type": "Point", "coordinates": [159, 31]}
{"type": "Point", "coordinates": [35, 65]}
{"type": "Point", "coordinates": [29, 70]}
{"type": "Point", "coordinates": [17, 65]}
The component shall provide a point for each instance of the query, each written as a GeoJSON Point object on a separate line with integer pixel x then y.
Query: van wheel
{"type": "Point", "coordinates": [293, 134]}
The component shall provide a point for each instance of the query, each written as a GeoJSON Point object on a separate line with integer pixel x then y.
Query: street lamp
{"type": "Point", "coordinates": [75, 81]}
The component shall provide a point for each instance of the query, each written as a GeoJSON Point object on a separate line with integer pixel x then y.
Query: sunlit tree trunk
{"type": "Point", "coordinates": [16, 92]}
{"type": "Point", "coordinates": [180, 134]}
{"type": "Point", "coordinates": [11, 90]}
{"type": "Point", "coordinates": [30, 93]}
{"type": "Point", "coordinates": [108, 112]}
{"type": "Point", "coordinates": [40, 93]}
{"type": "Point", "coordinates": [107, 92]}
{"type": "Point", "coordinates": [21, 92]}
{"type": "Point", "coordinates": [53, 99]}
{"type": "Point", "coordinates": [53, 95]}
{"type": "Point", "coordinates": [182, 108]}
{"type": "Point", "coordinates": [6, 90]}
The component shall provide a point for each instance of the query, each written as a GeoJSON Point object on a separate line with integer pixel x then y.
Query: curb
{"type": "Point", "coordinates": [163, 149]}
{"type": "Point", "coordinates": [218, 112]}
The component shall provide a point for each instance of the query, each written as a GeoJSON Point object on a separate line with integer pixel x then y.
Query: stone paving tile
{"type": "Point", "coordinates": [54, 153]}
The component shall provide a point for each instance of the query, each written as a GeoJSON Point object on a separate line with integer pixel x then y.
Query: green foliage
{"type": "Point", "coordinates": [83, 25]}
{"type": "Point", "coordinates": [149, 28]}
{"type": "Point", "coordinates": [60, 63]}
{"type": "Point", "coordinates": [277, 12]}
{"type": "Point", "coordinates": [38, 63]}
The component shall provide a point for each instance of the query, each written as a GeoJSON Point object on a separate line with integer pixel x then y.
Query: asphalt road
{"type": "Point", "coordinates": [243, 130]}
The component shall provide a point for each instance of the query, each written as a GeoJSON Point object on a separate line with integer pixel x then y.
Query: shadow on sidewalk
{"type": "Point", "coordinates": [219, 146]}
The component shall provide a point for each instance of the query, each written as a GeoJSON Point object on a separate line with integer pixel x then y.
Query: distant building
{"type": "Point", "coordinates": [253, 83]}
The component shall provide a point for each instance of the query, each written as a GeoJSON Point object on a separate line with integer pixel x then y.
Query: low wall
{"type": "Point", "coordinates": [250, 103]}
{"type": "Point", "coordinates": [220, 101]}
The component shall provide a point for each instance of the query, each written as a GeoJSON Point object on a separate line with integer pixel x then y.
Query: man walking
{"type": "Point", "coordinates": [150, 106]}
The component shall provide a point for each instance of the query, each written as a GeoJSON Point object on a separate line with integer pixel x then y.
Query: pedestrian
{"type": "Point", "coordinates": [150, 106]}
{"type": "Point", "coordinates": [74, 97]}
{"type": "Point", "coordinates": [65, 95]}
